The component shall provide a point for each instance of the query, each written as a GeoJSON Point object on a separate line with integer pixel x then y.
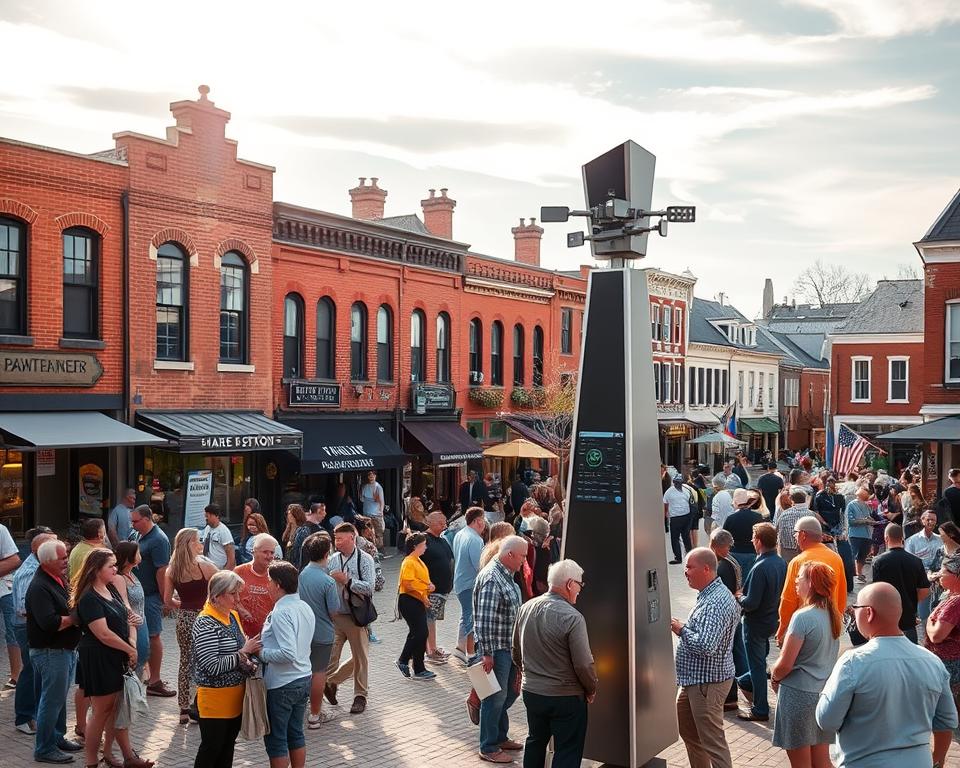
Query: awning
{"type": "Point", "coordinates": [69, 429]}
{"type": "Point", "coordinates": [945, 430]}
{"type": "Point", "coordinates": [220, 431]}
{"type": "Point", "coordinates": [344, 445]}
{"type": "Point", "coordinates": [444, 442]}
{"type": "Point", "coordinates": [758, 425]}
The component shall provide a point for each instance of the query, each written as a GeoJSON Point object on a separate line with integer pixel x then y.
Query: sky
{"type": "Point", "coordinates": [801, 129]}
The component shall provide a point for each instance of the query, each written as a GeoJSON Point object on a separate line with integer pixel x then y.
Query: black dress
{"type": "Point", "coordinates": [100, 668]}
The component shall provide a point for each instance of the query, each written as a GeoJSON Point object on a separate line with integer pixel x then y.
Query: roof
{"type": "Point", "coordinates": [946, 429]}
{"type": "Point", "coordinates": [410, 222]}
{"type": "Point", "coordinates": [895, 306]}
{"type": "Point", "coordinates": [795, 354]}
{"type": "Point", "coordinates": [947, 225]}
{"type": "Point", "coordinates": [703, 331]}
{"type": "Point", "coordinates": [807, 312]}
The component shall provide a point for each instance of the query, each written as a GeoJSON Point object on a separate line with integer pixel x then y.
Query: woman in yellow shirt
{"type": "Point", "coordinates": [412, 603]}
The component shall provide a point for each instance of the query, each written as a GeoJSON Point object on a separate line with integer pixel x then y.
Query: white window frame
{"type": "Point", "coordinates": [656, 381]}
{"type": "Point", "coordinates": [760, 390]}
{"type": "Point", "coordinates": [740, 388]}
{"type": "Point", "coordinates": [655, 322]}
{"type": "Point", "coordinates": [691, 385]}
{"type": "Point", "coordinates": [905, 359]}
{"type": "Point", "coordinates": [667, 383]}
{"type": "Point", "coordinates": [771, 392]}
{"type": "Point", "coordinates": [791, 393]}
{"type": "Point", "coordinates": [677, 325]}
{"type": "Point", "coordinates": [752, 388]}
{"type": "Point", "coordinates": [853, 378]}
{"type": "Point", "coordinates": [677, 391]}
{"type": "Point", "coordinates": [667, 320]}
{"type": "Point", "coordinates": [951, 307]}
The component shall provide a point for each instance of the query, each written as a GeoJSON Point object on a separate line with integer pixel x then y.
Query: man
{"type": "Point", "coordinates": [9, 561]}
{"type": "Point", "coordinates": [740, 470]}
{"type": "Point", "coordinates": [28, 682]}
{"type": "Point", "coordinates": [438, 558]}
{"type": "Point", "coordinates": [552, 651]}
{"type": "Point", "coordinates": [519, 493]}
{"type": "Point", "coordinates": [372, 499]}
{"type": "Point", "coordinates": [800, 478]}
{"type": "Point", "coordinates": [318, 589]}
{"type": "Point", "coordinates": [467, 546]}
{"type": "Point", "coordinates": [312, 526]}
{"type": "Point", "coordinates": [705, 662]}
{"type": "Point", "coordinates": [787, 521]}
{"type": "Point", "coordinates": [925, 544]}
{"type": "Point", "coordinates": [154, 559]}
{"type": "Point", "coordinates": [346, 509]}
{"type": "Point", "coordinates": [722, 504]}
{"type": "Point", "coordinates": [255, 595]}
{"type": "Point", "coordinates": [53, 636]}
{"type": "Point", "coordinates": [676, 509]}
{"type": "Point", "coordinates": [740, 524]}
{"type": "Point", "coordinates": [472, 492]}
{"type": "Point", "coordinates": [318, 515]}
{"type": "Point", "coordinates": [492, 499]}
{"type": "Point", "coordinates": [759, 603]}
{"type": "Point", "coordinates": [727, 477]}
{"type": "Point", "coordinates": [860, 529]}
{"type": "Point", "coordinates": [829, 505]}
{"type": "Point", "coordinates": [885, 697]}
{"type": "Point", "coordinates": [118, 521]}
{"type": "Point", "coordinates": [809, 537]}
{"type": "Point", "coordinates": [94, 536]}
{"type": "Point", "coordinates": [496, 602]}
{"type": "Point", "coordinates": [951, 496]}
{"type": "Point", "coordinates": [770, 484]}
{"type": "Point", "coordinates": [906, 573]}
{"type": "Point", "coordinates": [354, 571]}
{"type": "Point", "coordinates": [217, 539]}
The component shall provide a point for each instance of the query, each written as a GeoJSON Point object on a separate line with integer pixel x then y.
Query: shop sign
{"type": "Point", "coordinates": [306, 393]}
{"type": "Point", "coordinates": [676, 430]}
{"type": "Point", "coordinates": [345, 457]}
{"type": "Point", "coordinates": [427, 398]}
{"type": "Point", "coordinates": [239, 442]}
{"type": "Point", "coordinates": [199, 490]}
{"type": "Point", "coordinates": [48, 369]}
{"type": "Point", "coordinates": [46, 462]}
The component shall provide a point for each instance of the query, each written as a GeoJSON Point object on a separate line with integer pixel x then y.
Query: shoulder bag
{"type": "Point", "coordinates": [362, 610]}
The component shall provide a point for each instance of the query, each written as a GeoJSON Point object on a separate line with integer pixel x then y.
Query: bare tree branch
{"type": "Point", "coordinates": [831, 284]}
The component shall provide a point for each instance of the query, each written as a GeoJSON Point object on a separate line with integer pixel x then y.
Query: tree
{"type": "Point", "coordinates": [832, 284]}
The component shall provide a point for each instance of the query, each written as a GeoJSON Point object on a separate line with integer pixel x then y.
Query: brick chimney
{"type": "Point", "coordinates": [526, 243]}
{"type": "Point", "coordinates": [367, 200]}
{"type": "Point", "coordinates": [201, 117]}
{"type": "Point", "coordinates": [438, 214]}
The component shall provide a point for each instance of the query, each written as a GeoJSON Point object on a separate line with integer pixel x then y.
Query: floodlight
{"type": "Point", "coordinates": [554, 213]}
{"type": "Point", "coordinates": [682, 214]}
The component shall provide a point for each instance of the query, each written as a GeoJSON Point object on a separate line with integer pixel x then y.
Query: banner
{"type": "Point", "coordinates": [199, 488]}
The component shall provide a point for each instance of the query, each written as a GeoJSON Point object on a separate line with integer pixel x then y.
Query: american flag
{"type": "Point", "coordinates": [849, 450]}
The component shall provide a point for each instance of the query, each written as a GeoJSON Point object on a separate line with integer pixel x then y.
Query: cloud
{"type": "Point", "coordinates": [888, 18]}
{"type": "Point", "coordinates": [123, 100]}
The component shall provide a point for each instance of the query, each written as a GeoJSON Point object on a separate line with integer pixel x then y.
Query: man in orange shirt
{"type": "Point", "coordinates": [809, 536]}
{"type": "Point", "coordinates": [255, 600]}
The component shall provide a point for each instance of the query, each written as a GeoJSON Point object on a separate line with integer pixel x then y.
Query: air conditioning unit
{"type": "Point", "coordinates": [476, 377]}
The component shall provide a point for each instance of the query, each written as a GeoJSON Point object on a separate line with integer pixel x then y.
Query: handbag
{"type": "Point", "coordinates": [133, 702]}
{"type": "Point", "coordinates": [254, 722]}
{"type": "Point", "coordinates": [362, 610]}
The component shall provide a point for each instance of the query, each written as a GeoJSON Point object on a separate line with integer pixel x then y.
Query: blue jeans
{"type": "Point", "coordinates": [923, 612]}
{"type": "Point", "coordinates": [28, 684]}
{"type": "Point", "coordinates": [756, 641]}
{"type": "Point", "coordinates": [6, 608]}
{"type": "Point", "coordinates": [494, 720]}
{"type": "Point", "coordinates": [466, 613]}
{"type": "Point", "coordinates": [846, 554]}
{"type": "Point", "coordinates": [285, 709]}
{"type": "Point", "coordinates": [57, 669]}
{"type": "Point", "coordinates": [143, 647]}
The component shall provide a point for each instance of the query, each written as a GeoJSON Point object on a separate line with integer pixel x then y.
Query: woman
{"type": "Point", "coordinates": [255, 524]}
{"type": "Point", "coordinates": [943, 626]}
{"type": "Point", "coordinates": [221, 657]}
{"type": "Point", "coordinates": [106, 650]}
{"type": "Point", "coordinates": [950, 536]}
{"type": "Point", "coordinates": [296, 520]}
{"type": "Point", "coordinates": [913, 504]}
{"type": "Point", "coordinates": [412, 601]}
{"type": "Point", "coordinates": [498, 531]}
{"type": "Point", "coordinates": [783, 502]}
{"type": "Point", "coordinates": [188, 575]}
{"type": "Point", "coordinates": [250, 507]}
{"type": "Point", "coordinates": [415, 521]}
{"type": "Point", "coordinates": [539, 554]}
{"type": "Point", "coordinates": [809, 651]}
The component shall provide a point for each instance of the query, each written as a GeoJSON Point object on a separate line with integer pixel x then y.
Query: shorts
{"type": "Point", "coordinates": [320, 656]}
{"type": "Point", "coordinates": [436, 607]}
{"type": "Point", "coordinates": [285, 710]}
{"type": "Point", "coordinates": [466, 612]}
{"type": "Point", "coordinates": [153, 613]}
{"type": "Point", "coordinates": [861, 548]}
{"type": "Point", "coordinates": [6, 607]}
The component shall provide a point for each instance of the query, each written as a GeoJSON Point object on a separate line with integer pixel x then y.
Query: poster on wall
{"type": "Point", "coordinates": [199, 488]}
{"type": "Point", "coordinates": [46, 462]}
{"type": "Point", "coordinates": [91, 490]}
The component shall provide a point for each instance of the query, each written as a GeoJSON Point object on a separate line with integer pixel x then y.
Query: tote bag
{"type": "Point", "coordinates": [254, 723]}
{"type": "Point", "coordinates": [133, 701]}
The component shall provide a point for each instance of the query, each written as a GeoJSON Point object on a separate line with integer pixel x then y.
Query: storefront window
{"type": "Point", "coordinates": [11, 492]}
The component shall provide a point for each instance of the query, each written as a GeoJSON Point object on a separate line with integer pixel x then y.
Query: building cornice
{"type": "Point", "coordinates": [506, 290]}
{"type": "Point", "coordinates": [875, 338]}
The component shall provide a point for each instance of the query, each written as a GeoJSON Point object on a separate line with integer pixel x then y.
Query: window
{"type": "Point", "coordinates": [292, 336]}
{"type": "Point", "coordinates": [666, 387]}
{"type": "Point", "coordinates": [751, 387]}
{"type": "Point", "coordinates": [677, 383]}
{"type": "Point", "coordinates": [740, 388]}
{"type": "Point", "coordinates": [716, 387]}
{"type": "Point", "coordinates": [760, 391]}
{"type": "Point", "coordinates": [326, 323]}
{"type": "Point", "coordinates": [233, 308]}
{"type": "Point", "coordinates": [898, 376]}
{"type": "Point", "coordinates": [418, 323]}
{"type": "Point", "coordinates": [566, 331]}
{"type": "Point", "coordinates": [692, 385]}
{"type": "Point", "coordinates": [655, 322]}
{"type": "Point", "coordinates": [496, 354]}
{"type": "Point", "coordinates": [538, 356]}
{"type": "Point", "coordinates": [172, 293]}
{"type": "Point", "coordinates": [656, 382]}
{"type": "Point", "coordinates": [518, 355]}
{"type": "Point", "coordinates": [476, 351]}
{"type": "Point", "coordinates": [384, 343]}
{"type": "Point", "coordinates": [80, 284]}
{"type": "Point", "coordinates": [953, 342]}
{"type": "Point", "coordinates": [771, 403]}
{"type": "Point", "coordinates": [667, 314]}
{"type": "Point", "coordinates": [358, 341]}
{"type": "Point", "coordinates": [708, 388]}
{"type": "Point", "coordinates": [724, 378]}
{"type": "Point", "coordinates": [443, 347]}
{"type": "Point", "coordinates": [861, 380]}
{"type": "Point", "coordinates": [13, 294]}
{"type": "Point", "coordinates": [791, 393]}
{"type": "Point", "coordinates": [677, 325]}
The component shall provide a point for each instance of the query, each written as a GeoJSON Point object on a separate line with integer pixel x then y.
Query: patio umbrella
{"type": "Point", "coordinates": [519, 449]}
{"type": "Point", "coordinates": [715, 437]}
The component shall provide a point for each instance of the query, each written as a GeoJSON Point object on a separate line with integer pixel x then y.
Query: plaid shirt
{"type": "Point", "coordinates": [786, 521]}
{"type": "Point", "coordinates": [496, 602]}
{"type": "Point", "coordinates": [705, 651]}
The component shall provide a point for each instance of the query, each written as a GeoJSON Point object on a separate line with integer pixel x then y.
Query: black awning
{"type": "Point", "coordinates": [27, 431]}
{"type": "Point", "coordinates": [220, 431]}
{"type": "Point", "coordinates": [945, 430]}
{"type": "Point", "coordinates": [443, 442]}
{"type": "Point", "coordinates": [344, 445]}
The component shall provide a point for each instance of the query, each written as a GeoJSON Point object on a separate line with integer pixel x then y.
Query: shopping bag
{"type": "Point", "coordinates": [254, 724]}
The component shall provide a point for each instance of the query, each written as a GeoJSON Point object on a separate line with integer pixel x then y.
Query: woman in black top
{"type": "Point", "coordinates": [107, 649]}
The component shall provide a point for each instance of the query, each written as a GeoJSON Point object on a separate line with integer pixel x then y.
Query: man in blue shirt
{"type": "Point", "coordinates": [318, 590]}
{"type": "Point", "coordinates": [467, 546]}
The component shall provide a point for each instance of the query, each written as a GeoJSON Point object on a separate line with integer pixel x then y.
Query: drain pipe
{"type": "Point", "coordinates": [125, 205]}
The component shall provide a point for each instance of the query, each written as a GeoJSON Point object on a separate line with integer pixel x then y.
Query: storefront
{"type": "Point", "coordinates": [898, 454]}
{"type": "Point", "coordinates": [938, 444]}
{"type": "Point", "coordinates": [762, 436]}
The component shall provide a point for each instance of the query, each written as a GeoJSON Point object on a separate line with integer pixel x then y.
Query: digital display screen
{"type": "Point", "coordinates": [600, 467]}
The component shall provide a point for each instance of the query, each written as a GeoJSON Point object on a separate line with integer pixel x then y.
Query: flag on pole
{"type": "Point", "coordinates": [848, 450]}
{"type": "Point", "coordinates": [728, 422]}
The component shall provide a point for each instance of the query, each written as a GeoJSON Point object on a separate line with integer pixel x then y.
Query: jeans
{"type": "Point", "coordinates": [564, 718]}
{"type": "Point", "coordinates": [494, 720]}
{"type": "Point", "coordinates": [6, 608]}
{"type": "Point", "coordinates": [756, 641]}
{"type": "Point", "coordinates": [143, 647]}
{"type": "Point", "coordinates": [28, 684]}
{"type": "Point", "coordinates": [680, 531]}
{"type": "Point", "coordinates": [746, 560]}
{"type": "Point", "coordinates": [57, 669]}
{"type": "Point", "coordinates": [923, 612]}
{"type": "Point", "coordinates": [285, 709]}
{"type": "Point", "coordinates": [218, 737]}
{"type": "Point", "coordinates": [846, 554]}
{"type": "Point", "coordinates": [415, 614]}
{"type": "Point", "coordinates": [466, 613]}
{"type": "Point", "coordinates": [740, 666]}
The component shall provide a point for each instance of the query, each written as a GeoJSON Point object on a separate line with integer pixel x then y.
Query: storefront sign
{"type": "Point", "coordinates": [91, 490]}
{"type": "Point", "coordinates": [305, 393]}
{"type": "Point", "coordinates": [345, 457]}
{"type": "Point", "coordinates": [46, 462]}
{"type": "Point", "coordinates": [216, 443]}
{"type": "Point", "coordinates": [199, 489]}
{"type": "Point", "coordinates": [676, 430]}
{"type": "Point", "coordinates": [427, 398]}
{"type": "Point", "coordinates": [48, 369]}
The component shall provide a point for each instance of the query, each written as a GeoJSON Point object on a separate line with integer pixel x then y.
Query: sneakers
{"type": "Point", "coordinates": [330, 692]}
{"type": "Point", "coordinates": [460, 655]}
{"type": "Point", "coordinates": [437, 657]}
{"type": "Point", "coordinates": [29, 728]}
{"type": "Point", "coordinates": [373, 638]}
{"type": "Point", "coordinates": [404, 669]}
{"type": "Point", "coordinates": [159, 688]}
{"type": "Point", "coordinates": [10, 685]}
{"type": "Point", "coordinates": [315, 721]}
{"type": "Point", "coordinates": [359, 705]}
{"type": "Point", "coordinates": [425, 675]}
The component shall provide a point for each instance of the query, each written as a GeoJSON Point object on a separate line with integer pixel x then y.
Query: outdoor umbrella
{"type": "Point", "coordinates": [519, 449]}
{"type": "Point", "coordinates": [715, 437]}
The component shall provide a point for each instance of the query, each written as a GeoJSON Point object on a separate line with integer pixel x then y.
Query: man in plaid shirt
{"type": "Point", "coordinates": [705, 662]}
{"type": "Point", "coordinates": [496, 602]}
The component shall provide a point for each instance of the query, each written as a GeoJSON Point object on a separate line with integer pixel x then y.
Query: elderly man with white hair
{"type": "Point", "coordinates": [255, 595]}
{"type": "Point", "coordinates": [496, 602]}
{"type": "Point", "coordinates": [552, 651]}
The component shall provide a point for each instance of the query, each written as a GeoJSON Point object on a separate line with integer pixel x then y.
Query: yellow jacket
{"type": "Point", "coordinates": [414, 578]}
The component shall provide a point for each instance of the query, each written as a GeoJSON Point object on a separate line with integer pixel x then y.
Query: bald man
{"type": "Point", "coordinates": [884, 698]}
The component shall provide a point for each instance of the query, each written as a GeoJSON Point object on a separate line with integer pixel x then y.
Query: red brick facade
{"type": "Point", "coordinates": [878, 353]}
{"type": "Point", "coordinates": [941, 285]}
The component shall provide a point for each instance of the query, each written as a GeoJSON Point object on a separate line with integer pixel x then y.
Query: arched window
{"type": "Point", "coordinates": [538, 356]}
{"type": "Point", "coordinates": [443, 348]}
{"type": "Point", "coordinates": [496, 354]}
{"type": "Point", "coordinates": [13, 269]}
{"type": "Point", "coordinates": [358, 342]}
{"type": "Point", "coordinates": [234, 318]}
{"type": "Point", "coordinates": [326, 326]}
{"type": "Point", "coordinates": [293, 336]}
{"type": "Point", "coordinates": [418, 323]}
{"type": "Point", "coordinates": [518, 355]}
{"type": "Point", "coordinates": [476, 351]}
{"type": "Point", "coordinates": [173, 296]}
{"type": "Point", "coordinates": [81, 300]}
{"type": "Point", "coordinates": [384, 343]}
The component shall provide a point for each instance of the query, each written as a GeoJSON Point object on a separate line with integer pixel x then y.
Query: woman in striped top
{"type": "Point", "coordinates": [222, 662]}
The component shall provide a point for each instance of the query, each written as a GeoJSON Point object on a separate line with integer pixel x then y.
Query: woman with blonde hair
{"type": "Point", "coordinates": [187, 575]}
{"type": "Point", "coordinates": [498, 531]}
{"type": "Point", "coordinates": [806, 660]}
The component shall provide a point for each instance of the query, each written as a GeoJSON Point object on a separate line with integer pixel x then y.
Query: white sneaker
{"type": "Point", "coordinates": [459, 655]}
{"type": "Point", "coordinates": [27, 728]}
{"type": "Point", "coordinates": [315, 721]}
